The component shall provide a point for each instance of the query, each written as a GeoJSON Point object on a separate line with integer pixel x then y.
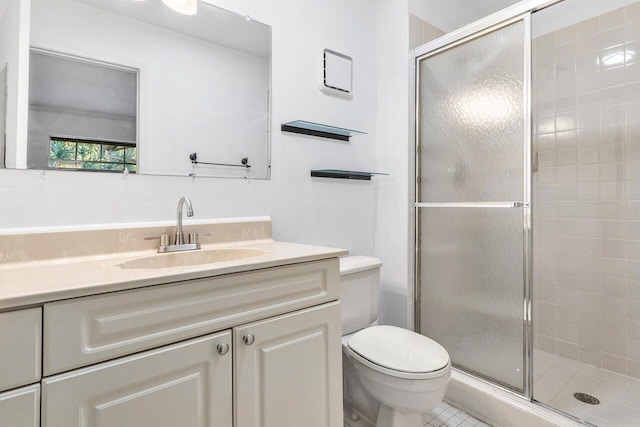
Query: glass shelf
{"type": "Point", "coordinates": [317, 129]}
{"type": "Point", "coordinates": [343, 174]}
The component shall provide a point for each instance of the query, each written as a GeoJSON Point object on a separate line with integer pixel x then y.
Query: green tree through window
{"type": "Point", "coordinates": [79, 154]}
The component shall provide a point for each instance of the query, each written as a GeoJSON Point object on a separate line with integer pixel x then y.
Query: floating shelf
{"type": "Point", "coordinates": [342, 174]}
{"type": "Point", "coordinates": [323, 131]}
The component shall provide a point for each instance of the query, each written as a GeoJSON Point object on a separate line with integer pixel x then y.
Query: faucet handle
{"type": "Point", "coordinates": [195, 237]}
{"type": "Point", "coordinates": [165, 239]}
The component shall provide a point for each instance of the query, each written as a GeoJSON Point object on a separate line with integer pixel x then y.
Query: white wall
{"type": "Point", "coordinates": [322, 211]}
{"type": "Point", "coordinates": [195, 96]}
{"type": "Point", "coordinates": [14, 53]}
{"type": "Point", "coordinates": [392, 216]}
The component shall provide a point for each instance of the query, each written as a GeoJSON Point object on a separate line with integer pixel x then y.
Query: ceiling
{"type": "Point", "coordinates": [211, 23]}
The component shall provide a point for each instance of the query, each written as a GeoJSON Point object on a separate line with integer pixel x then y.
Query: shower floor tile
{"type": "Point", "coordinates": [556, 379]}
{"type": "Point", "coordinates": [445, 415]}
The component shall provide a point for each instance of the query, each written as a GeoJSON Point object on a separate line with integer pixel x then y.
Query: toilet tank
{"type": "Point", "coordinates": [360, 278]}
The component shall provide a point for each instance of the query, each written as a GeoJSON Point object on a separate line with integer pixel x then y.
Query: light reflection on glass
{"type": "Point", "coordinates": [490, 106]}
{"type": "Point", "coordinates": [618, 58]}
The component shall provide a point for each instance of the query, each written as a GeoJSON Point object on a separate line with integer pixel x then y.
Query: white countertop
{"type": "Point", "coordinates": [37, 282]}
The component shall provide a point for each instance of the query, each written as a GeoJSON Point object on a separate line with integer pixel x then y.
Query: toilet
{"type": "Point", "coordinates": [390, 375]}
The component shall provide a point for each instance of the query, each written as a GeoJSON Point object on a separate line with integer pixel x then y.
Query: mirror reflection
{"type": "Point", "coordinates": [136, 86]}
{"type": "Point", "coordinates": [82, 115]}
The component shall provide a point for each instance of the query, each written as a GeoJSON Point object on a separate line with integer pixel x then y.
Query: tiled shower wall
{"type": "Point", "coordinates": [421, 32]}
{"type": "Point", "coordinates": [587, 191]}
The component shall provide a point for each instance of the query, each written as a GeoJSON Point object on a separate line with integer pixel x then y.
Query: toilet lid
{"type": "Point", "coordinates": [399, 349]}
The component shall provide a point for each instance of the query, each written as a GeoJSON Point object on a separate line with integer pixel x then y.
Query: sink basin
{"type": "Point", "coordinates": [190, 258]}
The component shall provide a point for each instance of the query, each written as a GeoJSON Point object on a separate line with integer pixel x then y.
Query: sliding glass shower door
{"type": "Point", "coordinates": [473, 201]}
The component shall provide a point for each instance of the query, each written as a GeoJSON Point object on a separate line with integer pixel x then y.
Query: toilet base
{"type": "Point", "coordinates": [388, 417]}
{"type": "Point", "coordinates": [355, 418]}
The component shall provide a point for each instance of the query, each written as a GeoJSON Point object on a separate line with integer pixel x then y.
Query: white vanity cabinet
{"type": "Point", "coordinates": [255, 349]}
{"type": "Point", "coordinates": [285, 370]}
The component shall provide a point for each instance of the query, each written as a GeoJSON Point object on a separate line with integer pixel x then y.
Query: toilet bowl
{"type": "Point", "coordinates": [391, 375]}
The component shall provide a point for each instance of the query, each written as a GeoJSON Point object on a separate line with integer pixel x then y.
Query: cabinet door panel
{"type": "Point", "coordinates": [20, 408]}
{"type": "Point", "coordinates": [291, 375]}
{"type": "Point", "coordinates": [186, 385]}
{"type": "Point", "coordinates": [20, 347]}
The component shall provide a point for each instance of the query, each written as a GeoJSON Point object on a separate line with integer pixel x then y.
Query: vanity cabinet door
{"type": "Point", "coordinates": [20, 348]}
{"type": "Point", "coordinates": [187, 384]}
{"type": "Point", "coordinates": [288, 370]}
{"type": "Point", "coordinates": [20, 408]}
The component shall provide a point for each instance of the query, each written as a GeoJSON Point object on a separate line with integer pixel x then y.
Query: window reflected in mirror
{"type": "Point", "coordinates": [85, 155]}
{"type": "Point", "coordinates": [82, 114]}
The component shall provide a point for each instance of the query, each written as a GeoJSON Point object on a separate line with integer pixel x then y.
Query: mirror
{"type": "Point", "coordinates": [126, 85]}
{"type": "Point", "coordinates": [3, 114]}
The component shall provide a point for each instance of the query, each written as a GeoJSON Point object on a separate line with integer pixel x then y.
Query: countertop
{"type": "Point", "coordinates": [36, 282]}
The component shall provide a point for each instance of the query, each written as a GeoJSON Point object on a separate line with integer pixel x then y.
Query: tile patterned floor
{"type": "Point", "coordinates": [445, 415]}
{"type": "Point", "coordinates": [557, 378]}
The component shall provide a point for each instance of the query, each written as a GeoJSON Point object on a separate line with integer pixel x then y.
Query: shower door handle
{"type": "Point", "coordinates": [517, 204]}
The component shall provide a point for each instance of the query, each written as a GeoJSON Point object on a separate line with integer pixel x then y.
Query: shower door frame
{"type": "Point", "coordinates": [519, 12]}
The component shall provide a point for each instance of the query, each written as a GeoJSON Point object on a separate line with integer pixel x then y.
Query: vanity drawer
{"type": "Point", "coordinates": [87, 330]}
{"type": "Point", "coordinates": [20, 347]}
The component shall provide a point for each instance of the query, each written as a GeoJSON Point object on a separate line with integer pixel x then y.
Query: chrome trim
{"type": "Point", "coordinates": [468, 38]}
{"type": "Point", "coordinates": [472, 205]}
{"type": "Point", "coordinates": [565, 414]}
{"type": "Point", "coordinates": [528, 236]}
{"type": "Point", "coordinates": [491, 382]}
{"type": "Point", "coordinates": [417, 293]}
{"type": "Point", "coordinates": [184, 201]}
{"type": "Point", "coordinates": [413, 137]}
{"type": "Point", "coordinates": [495, 20]}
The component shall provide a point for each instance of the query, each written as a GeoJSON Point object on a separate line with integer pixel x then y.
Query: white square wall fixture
{"type": "Point", "coordinates": [336, 77]}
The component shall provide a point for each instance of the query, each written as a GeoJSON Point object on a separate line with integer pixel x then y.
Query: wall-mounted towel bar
{"type": "Point", "coordinates": [244, 162]}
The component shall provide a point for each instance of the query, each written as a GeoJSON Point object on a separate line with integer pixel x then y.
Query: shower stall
{"type": "Point", "coordinates": [528, 203]}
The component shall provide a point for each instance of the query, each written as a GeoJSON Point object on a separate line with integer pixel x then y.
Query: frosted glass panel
{"type": "Point", "coordinates": [472, 120]}
{"type": "Point", "coordinates": [472, 291]}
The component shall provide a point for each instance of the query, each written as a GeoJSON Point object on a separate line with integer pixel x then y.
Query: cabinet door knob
{"type": "Point", "coordinates": [248, 339]}
{"type": "Point", "coordinates": [223, 348]}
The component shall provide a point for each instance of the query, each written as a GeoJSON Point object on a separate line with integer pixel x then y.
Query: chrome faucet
{"type": "Point", "coordinates": [179, 234]}
{"type": "Point", "coordinates": [180, 244]}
